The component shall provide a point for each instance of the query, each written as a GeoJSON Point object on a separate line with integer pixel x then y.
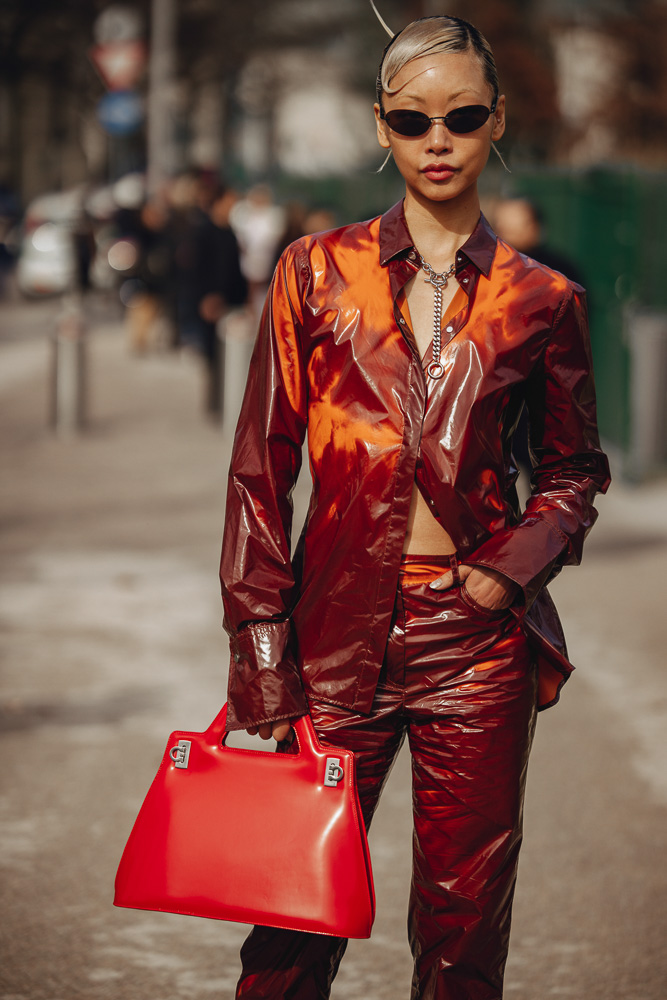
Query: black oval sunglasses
{"type": "Point", "coordinates": [459, 121]}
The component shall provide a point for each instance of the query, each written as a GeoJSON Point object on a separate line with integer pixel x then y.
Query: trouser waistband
{"type": "Point", "coordinates": [422, 569]}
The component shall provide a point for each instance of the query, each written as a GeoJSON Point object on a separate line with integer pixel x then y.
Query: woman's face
{"type": "Point", "coordinates": [441, 166]}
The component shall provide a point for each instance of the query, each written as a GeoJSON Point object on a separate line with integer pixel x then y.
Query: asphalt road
{"type": "Point", "coordinates": [110, 638]}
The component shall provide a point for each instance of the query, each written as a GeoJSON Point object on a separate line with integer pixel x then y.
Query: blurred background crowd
{"type": "Point", "coordinates": [163, 152]}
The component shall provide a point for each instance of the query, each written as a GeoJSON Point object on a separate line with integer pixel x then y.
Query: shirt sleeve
{"type": "Point", "coordinates": [569, 465]}
{"type": "Point", "coordinates": [258, 585]}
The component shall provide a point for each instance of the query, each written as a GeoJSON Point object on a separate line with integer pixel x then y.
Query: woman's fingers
{"type": "Point", "coordinates": [488, 587]}
{"type": "Point", "coordinates": [442, 582]}
{"type": "Point", "coordinates": [447, 579]}
{"type": "Point", "coordinates": [266, 730]}
{"type": "Point", "coordinates": [281, 730]}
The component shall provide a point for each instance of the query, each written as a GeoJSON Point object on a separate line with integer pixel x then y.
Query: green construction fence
{"type": "Point", "coordinates": [612, 223]}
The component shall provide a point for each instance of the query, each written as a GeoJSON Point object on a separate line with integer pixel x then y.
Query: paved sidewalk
{"type": "Point", "coordinates": [111, 638]}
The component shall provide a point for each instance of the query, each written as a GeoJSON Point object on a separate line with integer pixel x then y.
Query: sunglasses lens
{"type": "Point", "coordinates": [463, 120]}
{"type": "Point", "coordinates": [460, 120]}
{"type": "Point", "coordinates": [408, 122]}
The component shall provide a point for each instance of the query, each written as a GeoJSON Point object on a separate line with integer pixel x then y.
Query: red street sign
{"type": "Point", "coordinates": [120, 64]}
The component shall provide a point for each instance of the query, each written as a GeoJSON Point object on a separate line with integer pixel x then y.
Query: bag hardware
{"type": "Point", "coordinates": [180, 754]}
{"type": "Point", "coordinates": [333, 772]}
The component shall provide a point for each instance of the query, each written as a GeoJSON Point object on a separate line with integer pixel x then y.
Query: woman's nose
{"type": "Point", "coordinates": [439, 137]}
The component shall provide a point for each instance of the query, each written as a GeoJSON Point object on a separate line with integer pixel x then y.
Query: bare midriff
{"type": "Point", "coordinates": [426, 535]}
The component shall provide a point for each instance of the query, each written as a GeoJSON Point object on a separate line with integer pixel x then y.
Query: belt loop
{"type": "Point", "coordinates": [454, 566]}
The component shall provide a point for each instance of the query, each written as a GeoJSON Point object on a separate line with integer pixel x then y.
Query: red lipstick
{"type": "Point", "coordinates": [438, 171]}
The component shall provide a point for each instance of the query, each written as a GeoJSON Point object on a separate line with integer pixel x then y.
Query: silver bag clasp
{"type": "Point", "coordinates": [180, 754]}
{"type": "Point", "coordinates": [333, 772]}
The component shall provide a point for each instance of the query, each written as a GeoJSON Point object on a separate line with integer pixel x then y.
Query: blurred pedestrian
{"type": "Point", "coordinates": [300, 221]}
{"type": "Point", "coordinates": [10, 212]}
{"type": "Point", "coordinates": [258, 224]}
{"type": "Point", "coordinates": [83, 237]}
{"type": "Point", "coordinates": [188, 216]}
{"type": "Point", "coordinates": [319, 219]}
{"type": "Point", "coordinates": [206, 275]}
{"type": "Point", "coordinates": [147, 312]}
{"type": "Point", "coordinates": [221, 287]}
{"type": "Point", "coordinates": [416, 605]}
{"type": "Point", "coordinates": [520, 223]}
{"type": "Point", "coordinates": [294, 227]}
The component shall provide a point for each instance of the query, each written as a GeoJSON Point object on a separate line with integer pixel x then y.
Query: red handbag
{"type": "Point", "coordinates": [263, 838]}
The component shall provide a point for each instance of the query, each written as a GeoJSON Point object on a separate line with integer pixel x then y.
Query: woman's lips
{"type": "Point", "coordinates": [438, 171]}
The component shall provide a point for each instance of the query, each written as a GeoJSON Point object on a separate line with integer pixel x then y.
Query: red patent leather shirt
{"type": "Point", "coordinates": [335, 357]}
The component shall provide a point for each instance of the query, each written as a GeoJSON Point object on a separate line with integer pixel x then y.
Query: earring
{"type": "Point", "coordinates": [384, 164]}
{"type": "Point", "coordinates": [499, 155]}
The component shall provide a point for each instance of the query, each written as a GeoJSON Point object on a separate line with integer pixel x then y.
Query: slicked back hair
{"type": "Point", "coordinates": [428, 35]}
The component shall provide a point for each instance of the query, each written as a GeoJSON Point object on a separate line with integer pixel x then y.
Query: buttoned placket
{"type": "Point", "coordinates": [466, 275]}
{"type": "Point", "coordinates": [399, 279]}
{"type": "Point", "coordinates": [400, 270]}
{"type": "Point", "coordinates": [401, 267]}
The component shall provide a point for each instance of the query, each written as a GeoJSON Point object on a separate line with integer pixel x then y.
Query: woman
{"type": "Point", "coordinates": [407, 346]}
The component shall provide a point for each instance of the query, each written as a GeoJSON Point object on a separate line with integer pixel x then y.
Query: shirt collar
{"type": "Point", "coordinates": [395, 239]}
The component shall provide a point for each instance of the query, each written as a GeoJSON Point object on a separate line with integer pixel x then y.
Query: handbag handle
{"type": "Point", "coordinates": [303, 726]}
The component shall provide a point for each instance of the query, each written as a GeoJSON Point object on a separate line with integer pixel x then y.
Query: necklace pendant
{"type": "Point", "coordinates": [436, 369]}
{"type": "Point", "coordinates": [437, 280]}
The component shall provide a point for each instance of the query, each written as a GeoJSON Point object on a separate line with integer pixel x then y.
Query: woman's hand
{"type": "Point", "coordinates": [493, 590]}
{"type": "Point", "coordinates": [278, 729]}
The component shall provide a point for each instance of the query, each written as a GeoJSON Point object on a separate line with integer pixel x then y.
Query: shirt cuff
{"type": "Point", "coordinates": [264, 683]}
{"type": "Point", "coordinates": [528, 554]}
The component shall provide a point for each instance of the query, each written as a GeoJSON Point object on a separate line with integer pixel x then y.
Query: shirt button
{"type": "Point", "coordinates": [402, 321]}
{"type": "Point", "coordinates": [449, 329]}
{"type": "Point", "coordinates": [464, 280]}
{"type": "Point", "coordinates": [459, 259]}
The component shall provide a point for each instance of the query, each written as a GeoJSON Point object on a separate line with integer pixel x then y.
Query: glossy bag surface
{"type": "Point", "coordinates": [263, 838]}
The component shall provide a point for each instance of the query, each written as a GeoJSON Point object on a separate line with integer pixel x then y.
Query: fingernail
{"type": "Point", "coordinates": [435, 585]}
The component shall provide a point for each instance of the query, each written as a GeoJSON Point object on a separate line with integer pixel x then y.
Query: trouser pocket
{"type": "Point", "coordinates": [490, 613]}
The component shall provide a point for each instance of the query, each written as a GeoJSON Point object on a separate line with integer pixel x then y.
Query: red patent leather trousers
{"type": "Point", "coordinates": [458, 681]}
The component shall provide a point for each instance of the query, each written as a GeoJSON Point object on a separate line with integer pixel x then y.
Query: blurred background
{"type": "Point", "coordinates": [155, 158]}
{"type": "Point", "coordinates": [121, 124]}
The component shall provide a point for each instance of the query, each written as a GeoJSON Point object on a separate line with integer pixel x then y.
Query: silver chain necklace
{"type": "Point", "coordinates": [439, 281]}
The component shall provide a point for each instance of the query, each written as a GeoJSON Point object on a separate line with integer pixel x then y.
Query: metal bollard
{"type": "Point", "coordinates": [215, 374]}
{"type": "Point", "coordinates": [68, 369]}
{"type": "Point", "coordinates": [238, 342]}
{"type": "Point", "coordinates": [646, 334]}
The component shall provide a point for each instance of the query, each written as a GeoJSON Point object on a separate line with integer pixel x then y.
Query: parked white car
{"type": "Point", "coordinates": [47, 257]}
{"type": "Point", "coordinates": [48, 264]}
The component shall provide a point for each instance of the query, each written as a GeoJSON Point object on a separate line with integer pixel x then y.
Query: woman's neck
{"type": "Point", "coordinates": [440, 228]}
